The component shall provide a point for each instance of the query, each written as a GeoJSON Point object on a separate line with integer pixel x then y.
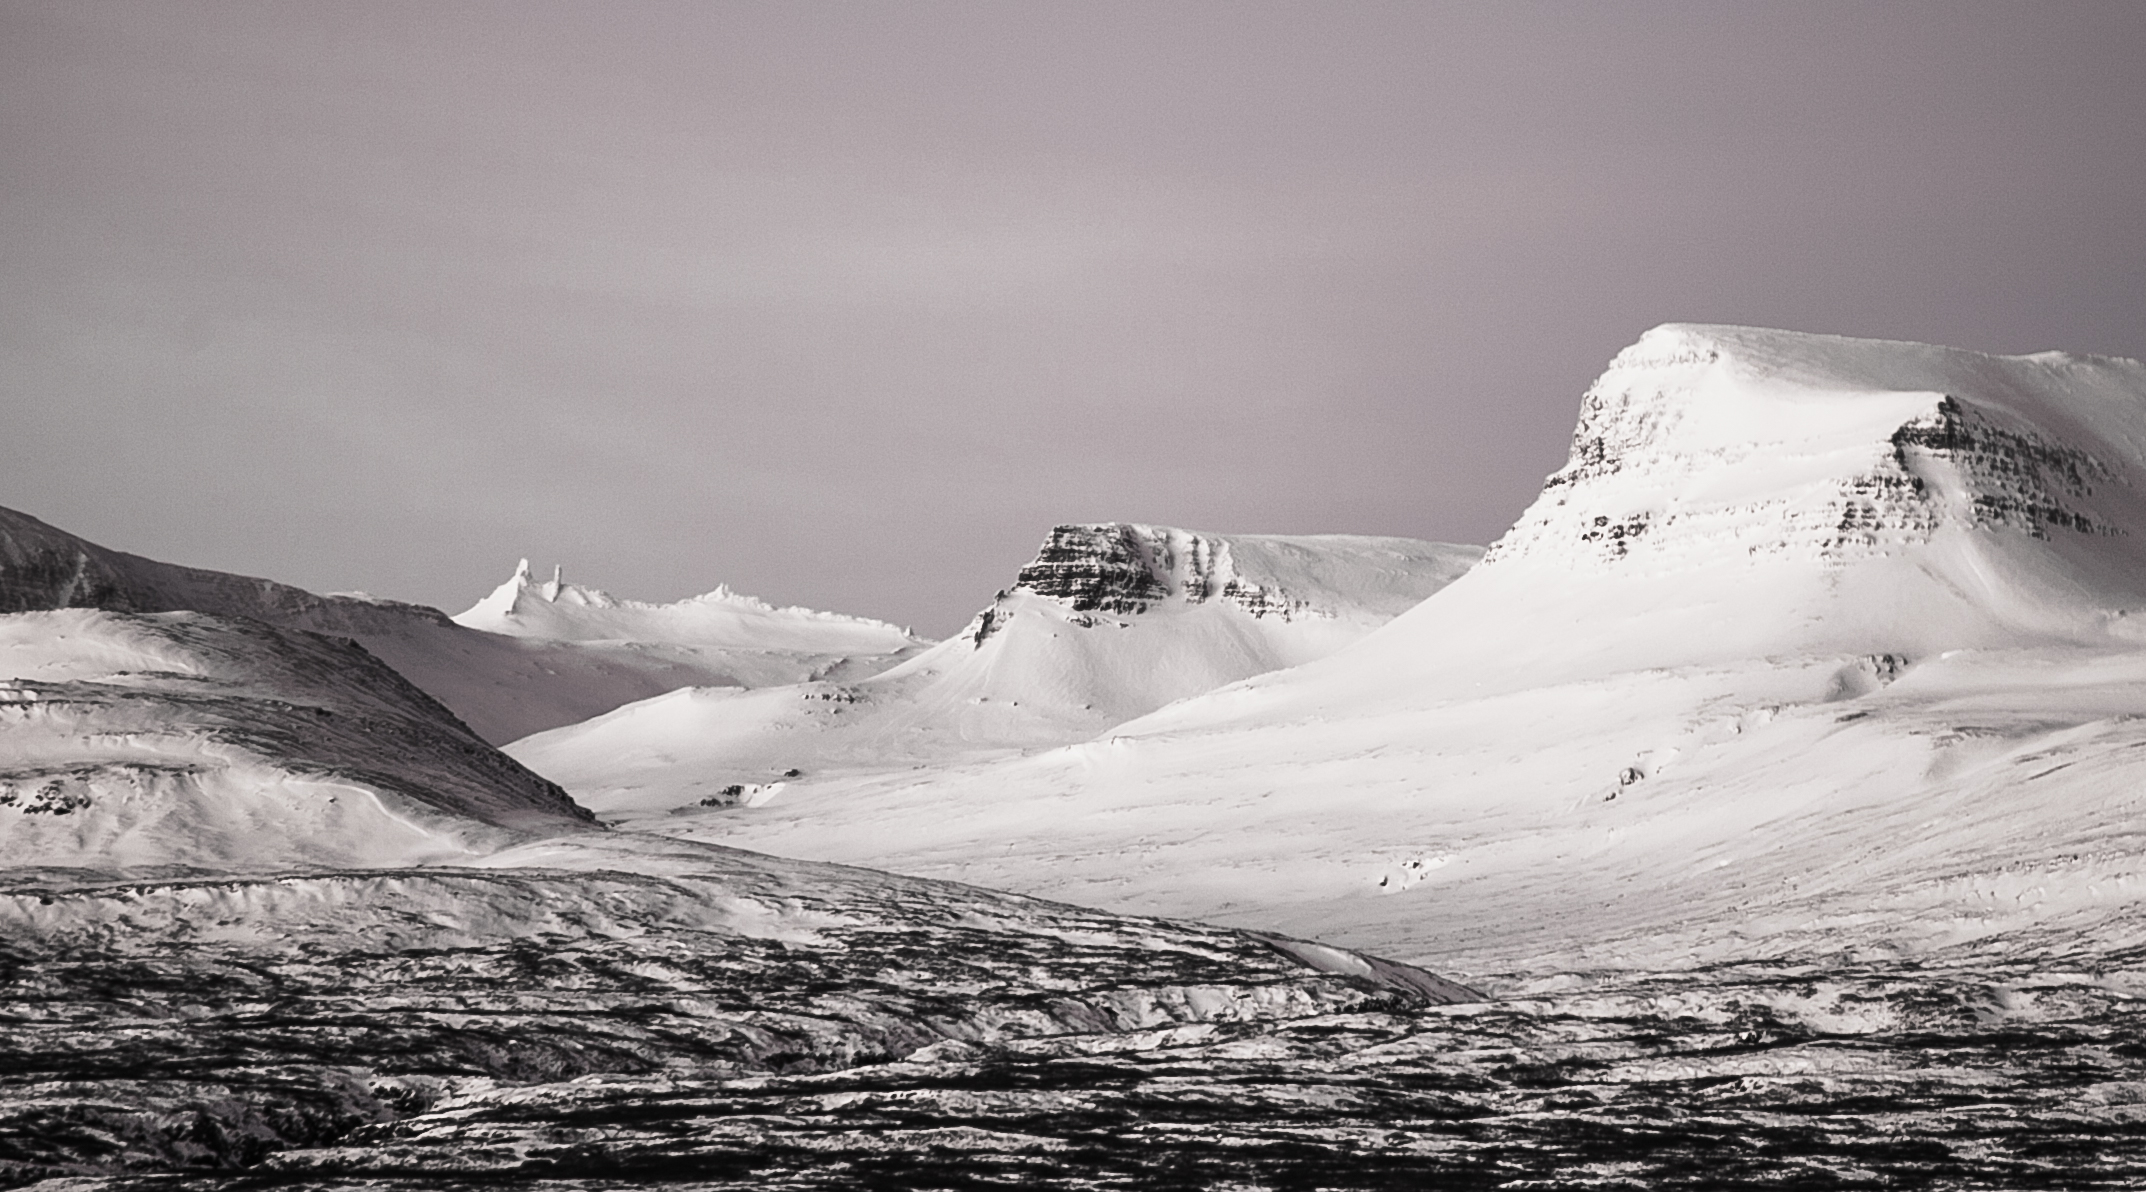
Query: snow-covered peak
{"type": "Point", "coordinates": [1704, 445]}
{"type": "Point", "coordinates": [1735, 493]}
{"type": "Point", "coordinates": [556, 610]}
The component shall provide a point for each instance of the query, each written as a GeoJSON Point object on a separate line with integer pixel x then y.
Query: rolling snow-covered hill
{"type": "Point", "coordinates": [131, 740]}
{"type": "Point", "coordinates": [519, 670]}
{"type": "Point", "coordinates": [1109, 622]}
{"type": "Point", "coordinates": [1815, 644]}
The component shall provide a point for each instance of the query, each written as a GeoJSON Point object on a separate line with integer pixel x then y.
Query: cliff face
{"type": "Point", "coordinates": [1123, 569]}
{"type": "Point", "coordinates": [1704, 445]}
{"type": "Point", "coordinates": [1119, 567]}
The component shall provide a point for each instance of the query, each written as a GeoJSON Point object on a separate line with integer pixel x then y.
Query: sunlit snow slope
{"type": "Point", "coordinates": [130, 740]}
{"type": "Point", "coordinates": [1814, 644]}
{"type": "Point", "coordinates": [528, 673]}
{"type": "Point", "coordinates": [1109, 622]}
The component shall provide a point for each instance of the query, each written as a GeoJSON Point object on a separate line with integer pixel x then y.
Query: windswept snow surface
{"type": "Point", "coordinates": [1815, 646]}
{"type": "Point", "coordinates": [535, 672]}
{"type": "Point", "coordinates": [1109, 622]}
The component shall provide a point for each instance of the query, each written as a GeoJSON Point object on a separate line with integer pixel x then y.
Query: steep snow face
{"type": "Point", "coordinates": [186, 739]}
{"type": "Point", "coordinates": [1109, 622]}
{"type": "Point", "coordinates": [558, 611]}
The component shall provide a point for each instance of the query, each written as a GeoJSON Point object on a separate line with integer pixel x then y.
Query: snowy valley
{"type": "Point", "coordinates": [1764, 806]}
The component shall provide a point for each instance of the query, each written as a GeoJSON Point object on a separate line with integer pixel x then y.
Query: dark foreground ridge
{"type": "Point", "coordinates": [445, 1029]}
{"type": "Point", "coordinates": [467, 1024]}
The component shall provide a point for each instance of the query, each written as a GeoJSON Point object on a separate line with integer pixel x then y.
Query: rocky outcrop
{"type": "Point", "coordinates": [1102, 568]}
{"type": "Point", "coordinates": [1122, 568]}
{"type": "Point", "coordinates": [2019, 479]}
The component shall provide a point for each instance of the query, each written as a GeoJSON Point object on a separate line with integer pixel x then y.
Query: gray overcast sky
{"type": "Point", "coordinates": [845, 305]}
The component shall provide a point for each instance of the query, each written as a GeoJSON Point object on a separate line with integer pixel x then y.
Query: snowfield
{"type": "Point", "coordinates": [1765, 808]}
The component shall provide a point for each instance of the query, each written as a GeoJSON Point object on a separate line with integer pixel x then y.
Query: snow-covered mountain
{"type": "Point", "coordinates": [525, 666]}
{"type": "Point", "coordinates": [1735, 492]}
{"type": "Point", "coordinates": [743, 639]}
{"type": "Point", "coordinates": [130, 740]}
{"type": "Point", "coordinates": [1108, 622]}
{"type": "Point", "coordinates": [1814, 644]}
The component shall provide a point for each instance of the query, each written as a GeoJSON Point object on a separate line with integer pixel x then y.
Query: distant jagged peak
{"type": "Point", "coordinates": [1702, 445]}
{"type": "Point", "coordinates": [1130, 568]}
{"type": "Point", "coordinates": [522, 588]}
{"type": "Point", "coordinates": [526, 607]}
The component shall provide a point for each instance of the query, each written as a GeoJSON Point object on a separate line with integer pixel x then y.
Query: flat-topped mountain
{"type": "Point", "coordinates": [1108, 622]}
{"type": "Point", "coordinates": [1709, 445]}
{"type": "Point", "coordinates": [1277, 580]}
{"type": "Point", "coordinates": [1735, 492]}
